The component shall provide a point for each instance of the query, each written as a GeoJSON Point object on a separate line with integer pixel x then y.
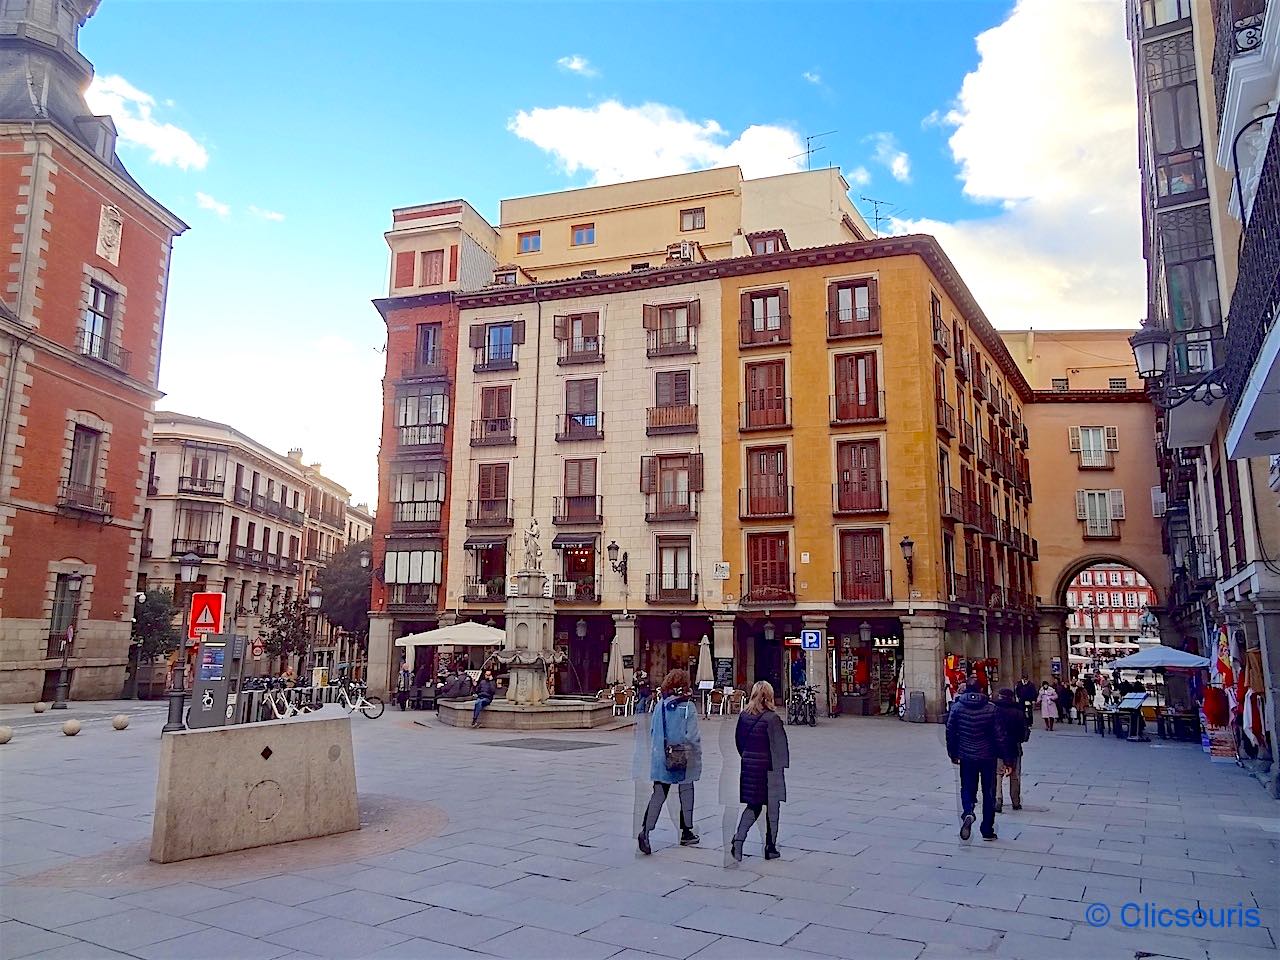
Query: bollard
{"type": "Point", "coordinates": [6, 734]}
{"type": "Point", "coordinates": [39, 707]}
{"type": "Point", "coordinates": [119, 721]}
{"type": "Point", "coordinates": [71, 728]}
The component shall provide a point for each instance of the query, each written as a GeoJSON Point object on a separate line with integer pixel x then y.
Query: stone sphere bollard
{"type": "Point", "coordinates": [119, 721]}
{"type": "Point", "coordinates": [71, 728]}
{"type": "Point", "coordinates": [40, 707]}
{"type": "Point", "coordinates": [6, 734]}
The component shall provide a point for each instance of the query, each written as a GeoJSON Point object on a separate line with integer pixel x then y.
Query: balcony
{"type": "Point", "coordinates": [952, 504]}
{"type": "Point", "coordinates": [667, 420]}
{"type": "Point", "coordinates": [671, 342]}
{"type": "Point", "coordinates": [850, 498]}
{"type": "Point", "coordinates": [984, 453]}
{"type": "Point", "coordinates": [484, 590]}
{"type": "Point", "coordinates": [242, 497]}
{"type": "Point", "coordinates": [201, 548]}
{"type": "Point", "coordinates": [580, 350]}
{"type": "Point", "coordinates": [764, 592]}
{"type": "Point", "coordinates": [1023, 437]}
{"type": "Point", "coordinates": [412, 597]}
{"type": "Point", "coordinates": [1101, 529]}
{"type": "Point", "coordinates": [420, 435]}
{"type": "Point", "coordinates": [962, 366]}
{"type": "Point", "coordinates": [773, 414]}
{"type": "Point", "coordinates": [290, 567]}
{"type": "Point", "coordinates": [245, 556]}
{"type": "Point", "coordinates": [419, 515]}
{"type": "Point", "coordinates": [1006, 412]}
{"type": "Point", "coordinates": [851, 407]}
{"type": "Point", "coordinates": [333, 518]}
{"type": "Point", "coordinates": [670, 588]}
{"type": "Point", "coordinates": [260, 502]}
{"type": "Point", "coordinates": [101, 348]}
{"type": "Point", "coordinates": [1004, 532]}
{"type": "Point", "coordinates": [941, 337]}
{"type": "Point", "coordinates": [962, 589]}
{"type": "Point", "coordinates": [418, 366]}
{"type": "Point", "coordinates": [981, 385]}
{"type": "Point", "coordinates": [945, 414]}
{"type": "Point", "coordinates": [582, 509]}
{"type": "Point", "coordinates": [776, 331]}
{"type": "Point", "coordinates": [1237, 31]}
{"type": "Point", "coordinates": [968, 437]}
{"type": "Point", "coordinates": [82, 498]}
{"type": "Point", "coordinates": [999, 465]}
{"type": "Point", "coordinates": [971, 516]}
{"type": "Point", "coordinates": [153, 487]}
{"type": "Point", "coordinates": [766, 502]}
{"type": "Point", "coordinates": [147, 546]}
{"type": "Point", "coordinates": [493, 431]}
{"type": "Point", "coordinates": [848, 324]}
{"type": "Point", "coordinates": [990, 526]}
{"type": "Point", "coordinates": [860, 587]}
{"type": "Point", "coordinates": [273, 562]}
{"type": "Point", "coordinates": [295, 516]}
{"type": "Point", "coordinates": [493, 358]}
{"type": "Point", "coordinates": [489, 513]}
{"type": "Point", "coordinates": [579, 426]}
{"type": "Point", "coordinates": [1035, 549]}
{"type": "Point", "coordinates": [575, 589]}
{"type": "Point", "coordinates": [671, 505]}
{"type": "Point", "coordinates": [273, 508]}
{"type": "Point", "coordinates": [1096, 460]}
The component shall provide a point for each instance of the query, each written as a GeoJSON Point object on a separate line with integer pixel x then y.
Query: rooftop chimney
{"type": "Point", "coordinates": [295, 454]}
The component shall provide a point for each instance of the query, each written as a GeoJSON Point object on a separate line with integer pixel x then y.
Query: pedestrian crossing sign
{"type": "Point", "coordinates": [205, 615]}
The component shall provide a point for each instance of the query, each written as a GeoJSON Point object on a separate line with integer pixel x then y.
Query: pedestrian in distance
{"type": "Point", "coordinates": [486, 690]}
{"type": "Point", "coordinates": [1064, 700]}
{"type": "Point", "coordinates": [975, 742]}
{"type": "Point", "coordinates": [761, 739]}
{"type": "Point", "coordinates": [675, 756]}
{"type": "Point", "coordinates": [1080, 703]}
{"type": "Point", "coordinates": [1017, 730]}
{"type": "Point", "coordinates": [1048, 700]}
{"type": "Point", "coordinates": [1025, 691]}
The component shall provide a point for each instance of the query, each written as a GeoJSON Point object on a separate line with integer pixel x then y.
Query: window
{"type": "Point", "coordinates": [427, 353]}
{"type": "Point", "coordinates": [505, 278]}
{"type": "Point", "coordinates": [1095, 445]}
{"type": "Point", "coordinates": [83, 473]}
{"type": "Point", "coordinates": [1131, 600]}
{"type": "Point", "coordinates": [766, 311]}
{"type": "Point", "coordinates": [1071, 598]}
{"type": "Point", "coordinates": [1175, 140]}
{"type": "Point", "coordinates": [1086, 598]}
{"type": "Point", "coordinates": [1156, 13]}
{"type": "Point", "coordinates": [637, 267]}
{"type": "Point", "coordinates": [764, 317]}
{"type": "Point", "coordinates": [859, 485]}
{"type": "Point", "coordinates": [421, 414]}
{"type": "Point", "coordinates": [66, 606]}
{"type": "Point", "coordinates": [494, 344]}
{"type": "Point", "coordinates": [432, 268]}
{"type": "Point", "coordinates": [857, 388]}
{"type": "Point", "coordinates": [1114, 578]}
{"type": "Point", "coordinates": [96, 337]}
{"type": "Point", "coordinates": [671, 480]}
{"type": "Point", "coordinates": [495, 423]}
{"type": "Point", "coordinates": [768, 567]}
{"type": "Point", "coordinates": [197, 529]}
{"type": "Point", "coordinates": [417, 493]}
{"type": "Point", "coordinates": [584, 234]}
{"type": "Point", "coordinates": [1060, 384]}
{"type": "Point", "coordinates": [1186, 241]}
{"type": "Point", "coordinates": [853, 308]}
{"type": "Point", "coordinates": [412, 566]}
{"type": "Point", "coordinates": [862, 565]}
{"type": "Point", "coordinates": [675, 576]}
{"type": "Point", "coordinates": [766, 245]}
{"type": "Point", "coordinates": [1099, 509]}
{"type": "Point", "coordinates": [404, 269]}
{"type": "Point", "coordinates": [491, 491]}
{"type": "Point", "coordinates": [530, 241]}
{"type": "Point", "coordinates": [694, 218]}
{"type": "Point", "coordinates": [671, 327]}
{"type": "Point", "coordinates": [580, 335]}
{"type": "Point", "coordinates": [1086, 578]}
{"type": "Point", "coordinates": [768, 493]}
{"type": "Point", "coordinates": [582, 415]}
{"type": "Point", "coordinates": [1128, 578]}
{"type": "Point", "coordinates": [1117, 383]}
{"type": "Point", "coordinates": [671, 388]}
{"type": "Point", "coordinates": [1117, 599]}
{"type": "Point", "coordinates": [766, 404]}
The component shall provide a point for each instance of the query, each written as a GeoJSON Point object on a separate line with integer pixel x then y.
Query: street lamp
{"type": "Point", "coordinates": [365, 559]}
{"type": "Point", "coordinates": [619, 565]}
{"type": "Point", "coordinates": [315, 597]}
{"type": "Point", "coordinates": [188, 572]}
{"type": "Point", "coordinates": [1151, 356]}
{"type": "Point", "coordinates": [770, 631]}
{"type": "Point", "coordinates": [74, 581]}
{"type": "Point", "coordinates": [864, 633]}
{"type": "Point", "coordinates": [908, 547]}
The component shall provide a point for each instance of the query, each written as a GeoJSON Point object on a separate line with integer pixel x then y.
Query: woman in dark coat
{"type": "Point", "coordinates": [761, 739]}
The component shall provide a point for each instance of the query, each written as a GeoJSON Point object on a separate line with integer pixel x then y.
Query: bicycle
{"type": "Point", "coordinates": [278, 702]}
{"type": "Point", "coordinates": [802, 706]}
{"type": "Point", "coordinates": [371, 707]}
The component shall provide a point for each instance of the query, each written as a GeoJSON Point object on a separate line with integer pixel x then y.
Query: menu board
{"type": "Point", "coordinates": [724, 671]}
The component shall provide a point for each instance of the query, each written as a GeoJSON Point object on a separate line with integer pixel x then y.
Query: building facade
{"type": "Point", "coordinates": [1107, 603]}
{"type": "Point", "coordinates": [80, 335]}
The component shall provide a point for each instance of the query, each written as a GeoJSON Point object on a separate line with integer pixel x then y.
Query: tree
{"type": "Point", "coordinates": [285, 629]}
{"type": "Point", "coordinates": [153, 629]}
{"type": "Point", "coordinates": [347, 588]}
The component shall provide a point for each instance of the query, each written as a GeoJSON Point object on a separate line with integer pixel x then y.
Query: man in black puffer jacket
{"type": "Point", "coordinates": [976, 742]}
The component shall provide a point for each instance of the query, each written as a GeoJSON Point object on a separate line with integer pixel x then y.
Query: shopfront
{"type": "Point", "coordinates": [667, 643]}
{"type": "Point", "coordinates": [866, 668]}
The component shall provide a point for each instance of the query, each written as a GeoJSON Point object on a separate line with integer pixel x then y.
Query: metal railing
{"type": "Point", "coordinates": [242, 496]}
{"type": "Point", "coordinates": [984, 452]}
{"type": "Point", "coordinates": [204, 486]}
{"type": "Point", "coordinates": [1096, 460]}
{"type": "Point", "coordinates": [578, 509]}
{"type": "Point", "coordinates": [764, 501]}
{"type": "Point", "coordinates": [671, 587]}
{"type": "Point", "coordinates": [1237, 30]}
{"type": "Point", "coordinates": [671, 505]}
{"type": "Point", "coordinates": [855, 408]}
{"type": "Point", "coordinates": [493, 431]}
{"type": "Point", "coordinates": [148, 545]}
{"type": "Point", "coordinates": [773, 415]}
{"type": "Point", "coordinates": [952, 503]}
{"type": "Point", "coordinates": [776, 330]}
{"type": "Point", "coordinates": [420, 435]}
{"type": "Point", "coordinates": [575, 589]}
{"type": "Point", "coordinates": [417, 513]}
{"type": "Point", "coordinates": [496, 358]}
{"type": "Point", "coordinates": [763, 591]}
{"type": "Point", "coordinates": [579, 426]}
{"type": "Point", "coordinates": [972, 514]}
{"type": "Point", "coordinates": [968, 437]}
{"type": "Point", "coordinates": [1101, 528]}
{"type": "Point", "coordinates": [84, 498]}
{"type": "Point", "coordinates": [101, 348]}
{"type": "Point", "coordinates": [417, 366]}
{"type": "Point", "coordinates": [674, 419]}
{"type": "Point", "coordinates": [853, 496]}
{"type": "Point", "coordinates": [962, 589]}
{"type": "Point", "coordinates": [201, 548]}
{"type": "Point", "coordinates": [942, 337]}
{"type": "Point", "coordinates": [852, 322]}
{"type": "Point", "coordinates": [484, 590]}
{"type": "Point", "coordinates": [860, 587]}
{"type": "Point", "coordinates": [413, 596]}
{"type": "Point", "coordinates": [946, 417]}
{"type": "Point", "coordinates": [489, 513]}
{"type": "Point", "coordinates": [581, 350]}
{"type": "Point", "coordinates": [671, 341]}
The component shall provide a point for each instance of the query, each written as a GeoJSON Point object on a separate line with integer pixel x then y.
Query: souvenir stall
{"type": "Point", "coordinates": [866, 671]}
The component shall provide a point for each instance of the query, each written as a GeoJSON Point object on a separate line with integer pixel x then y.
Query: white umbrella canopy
{"type": "Point", "coordinates": [706, 670]}
{"type": "Point", "coordinates": [466, 634]}
{"type": "Point", "coordinates": [614, 676]}
{"type": "Point", "coordinates": [1158, 657]}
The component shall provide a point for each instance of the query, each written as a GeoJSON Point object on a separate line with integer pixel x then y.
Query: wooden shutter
{"type": "Point", "coordinates": [580, 396]}
{"type": "Point", "coordinates": [1112, 438]}
{"type": "Point", "coordinates": [517, 331]}
{"type": "Point", "coordinates": [1082, 508]}
{"type": "Point", "coordinates": [784, 308]}
{"type": "Point", "coordinates": [833, 302]}
{"type": "Point", "coordinates": [694, 316]}
{"type": "Point", "coordinates": [1116, 497]}
{"type": "Point", "coordinates": [580, 478]}
{"type": "Point", "coordinates": [453, 262]}
{"type": "Point", "coordinates": [404, 269]}
{"type": "Point", "coordinates": [671, 388]}
{"type": "Point", "coordinates": [476, 335]}
{"type": "Point", "coordinates": [495, 403]}
{"type": "Point", "coordinates": [768, 560]}
{"type": "Point", "coordinates": [873, 301]}
{"type": "Point", "coordinates": [862, 564]}
{"type": "Point", "coordinates": [648, 474]}
{"type": "Point", "coordinates": [744, 311]}
{"type": "Point", "coordinates": [561, 328]}
{"type": "Point", "coordinates": [590, 325]}
{"type": "Point", "coordinates": [695, 472]}
{"type": "Point", "coordinates": [651, 316]}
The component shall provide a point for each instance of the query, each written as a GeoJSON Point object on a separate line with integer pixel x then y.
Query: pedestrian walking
{"type": "Point", "coordinates": [1025, 691]}
{"type": "Point", "coordinates": [1080, 703]}
{"type": "Point", "coordinates": [975, 742]}
{"type": "Point", "coordinates": [1048, 700]}
{"type": "Point", "coordinates": [486, 690]}
{"type": "Point", "coordinates": [643, 690]}
{"type": "Point", "coordinates": [761, 739]}
{"type": "Point", "coordinates": [675, 756]}
{"type": "Point", "coordinates": [1017, 730]}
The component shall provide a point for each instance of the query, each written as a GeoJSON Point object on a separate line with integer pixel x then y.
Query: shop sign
{"type": "Point", "coordinates": [628, 661]}
{"type": "Point", "coordinates": [791, 641]}
{"type": "Point", "coordinates": [886, 643]}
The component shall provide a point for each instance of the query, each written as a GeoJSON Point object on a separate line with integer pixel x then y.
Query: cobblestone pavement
{"type": "Point", "coordinates": [474, 849]}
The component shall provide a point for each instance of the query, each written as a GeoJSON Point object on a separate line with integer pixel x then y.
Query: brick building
{"type": "Point", "coordinates": [83, 273]}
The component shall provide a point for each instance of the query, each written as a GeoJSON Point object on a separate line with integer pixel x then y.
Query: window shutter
{"type": "Point", "coordinates": [680, 388]}
{"type": "Point", "coordinates": [573, 478]}
{"type": "Point", "coordinates": [650, 313]}
{"type": "Point", "coordinates": [663, 388]}
{"type": "Point", "coordinates": [404, 269]}
{"type": "Point", "coordinates": [1073, 436]}
{"type": "Point", "coordinates": [1117, 504]}
{"type": "Point", "coordinates": [648, 474]}
{"type": "Point", "coordinates": [476, 336]}
{"type": "Point", "coordinates": [484, 482]}
{"type": "Point", "coordinates": [695, 313]}
{"type": "Point", "coordinates": [784, 301]}
{"type": "Point", "coordinates": [1112, 438]}
{"type": "Point", "coordinates": [590, 325]}
{"type": "Point", "coordinates": [744, 311]}
{"type": "Point", "coordinates": [695, 472]}
{"type": "Point", "coordinates": [1082, 509]}
{"type": "Point", "coordinates": [517, 331]}
{"type": "Point", "coordinates": [833, 301]}
{"type": "Point", "coordinates": [873, 300]}
{"type": "Point", "coordinates": [1157, 502]}
{"type": "Point", "coordinates": [561, 328]}
{"type": "Point", "coordinates": [587, 478]}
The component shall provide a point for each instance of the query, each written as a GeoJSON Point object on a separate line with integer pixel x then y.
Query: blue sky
{"type": "Point", "coordinates": [284, 133]}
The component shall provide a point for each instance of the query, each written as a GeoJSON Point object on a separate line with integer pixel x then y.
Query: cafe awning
{"type": "Point", "coordinates": [466, 634]}
{"type": "Point", "coordinates": [563, 540]}
{"type": "Point", "coordinates": [484, 543]}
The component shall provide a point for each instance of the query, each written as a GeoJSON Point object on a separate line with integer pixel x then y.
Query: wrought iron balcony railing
{"type": "Point", "coordinates": [771, 330]}
{"type": "Point", "coordinates": [853, 322]}
{"type": "Point", "coordinates": [420, 435]}
{"type": "Point", "coordinates": [1237, 30]}
{"type": "Point", "coordinates": [946, 417]}
{"type": "Point", "coordinates": [762, 589]}
{"type": "Point", "coordinates": [484, 590]}
{"type": "Point", "coordinates": [859, 496]}
{"type": "Point", "coordinates": [203, 486]}
{"type": "Point", "coordinates": [673, 419]}
{"type": "Point", "coordinates": [671, 341]}
{"type": "Point", "coordinates": [771, 414]}
{"type": "Point", "coordinates": [101, 348]}
{"type": "Point", "coordinates": [575, 589]}
{"type": "Point", "coordinates": [579, 426]}
{"type": "Point", "coordinates": [423, 366]}
{"type": "Point", "coordinates": [581, 350]}
{"type": "Point", "coordinates": [578, 509]}
{"type": "Point", "coordinates": [671, 505]}
{"type": "Point", "coordinates": [201, 548]}
{"type": "Point", "coordinates": [857, 587]}
{"type": "Point", "coordinates": [766, 501]}
{"type": "Point", "coordinates": [854, 407]}
{"type": "Point", "coordinates": [417, 514]}
{"type": "Point", "coordinates": [671, 587]}
{"type": "Point", "coordinates": [493, 431]}
{"type": "Point", "coordinates": [83, 498]}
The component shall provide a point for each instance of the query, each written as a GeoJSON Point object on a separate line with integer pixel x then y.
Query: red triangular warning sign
{"type": "Point", "coordinates": [205, 619]}
{"type": "Point", "coordinates": [205, 614]}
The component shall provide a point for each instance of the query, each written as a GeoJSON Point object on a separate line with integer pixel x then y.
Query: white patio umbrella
{"type": "Point", "coordinates": [706, 670]}
{"type": "Point", "coordinates": [467, 634]}
{"type": "Point", "coordinates": [614, 676]}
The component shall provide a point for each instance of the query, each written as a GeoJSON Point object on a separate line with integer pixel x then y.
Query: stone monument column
{"type": "Point", "coordinates": [530, 616]}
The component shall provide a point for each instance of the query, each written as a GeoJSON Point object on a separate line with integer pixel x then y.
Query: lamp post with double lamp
{"type": "Point", "coordinates": [315, 597]}
{"type": "Point", "coordinates": [188, 573]}
{"type": "Point", "coordinates": [74, 582]}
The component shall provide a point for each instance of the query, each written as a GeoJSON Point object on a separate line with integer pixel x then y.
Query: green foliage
{"type": "Point", "coordinates": [284, 632]}
{"type": "Point", "coordinates": [153, 628]}
{"type": "Point", "coordinates": [346, 587]}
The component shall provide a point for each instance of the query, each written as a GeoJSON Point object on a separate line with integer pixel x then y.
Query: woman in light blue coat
{"type": "Point", "coordinates": [675, 756]}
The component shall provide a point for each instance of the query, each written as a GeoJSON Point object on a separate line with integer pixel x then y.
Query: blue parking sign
{"type": "Point", "coordinates": [811, 639]}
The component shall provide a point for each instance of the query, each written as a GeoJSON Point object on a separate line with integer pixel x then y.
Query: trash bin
{"type": "Point", "coordinates": [915, 706]}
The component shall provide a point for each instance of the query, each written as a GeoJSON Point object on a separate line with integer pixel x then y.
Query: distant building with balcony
{"type": "Point", "coordinates": [1106, 604]}
{"type": "Point", "coordinates": [86, 261]}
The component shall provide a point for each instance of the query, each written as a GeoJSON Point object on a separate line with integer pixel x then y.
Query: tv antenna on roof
{"type": "Point", "coordinates": [875, 211]}
{"type": "Point", "coordinates": [810, 149]}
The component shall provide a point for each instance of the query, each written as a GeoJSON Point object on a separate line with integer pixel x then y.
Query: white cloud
{"type": "Point", "coordinates": [206, 202]}
{"type": "Point", "coordinates": [813, 77]}
{"type": "Point", "coordinates": [614, 142]}
{"type": "Point", "coordinates": [273, 215]}
{"type": "Point", "coordinates": [892, 157]}
{"type": "Point", "coordinates": [858, 176]}
{"type": "Point", "coordinates": [1045, 129]}
{"type": "Point", "coordinates": [132, 111]}
{"type": "Point", "coordinates": [578, 64]}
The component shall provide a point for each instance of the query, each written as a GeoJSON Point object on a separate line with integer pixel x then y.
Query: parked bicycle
{"type": "Point", "coordinates": [802, 706]}
{"type": "Point", "coordinates": [353, 697]}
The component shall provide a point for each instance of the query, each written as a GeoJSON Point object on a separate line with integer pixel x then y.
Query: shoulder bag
{"type": "Point", "coordinates": [675, 755]}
